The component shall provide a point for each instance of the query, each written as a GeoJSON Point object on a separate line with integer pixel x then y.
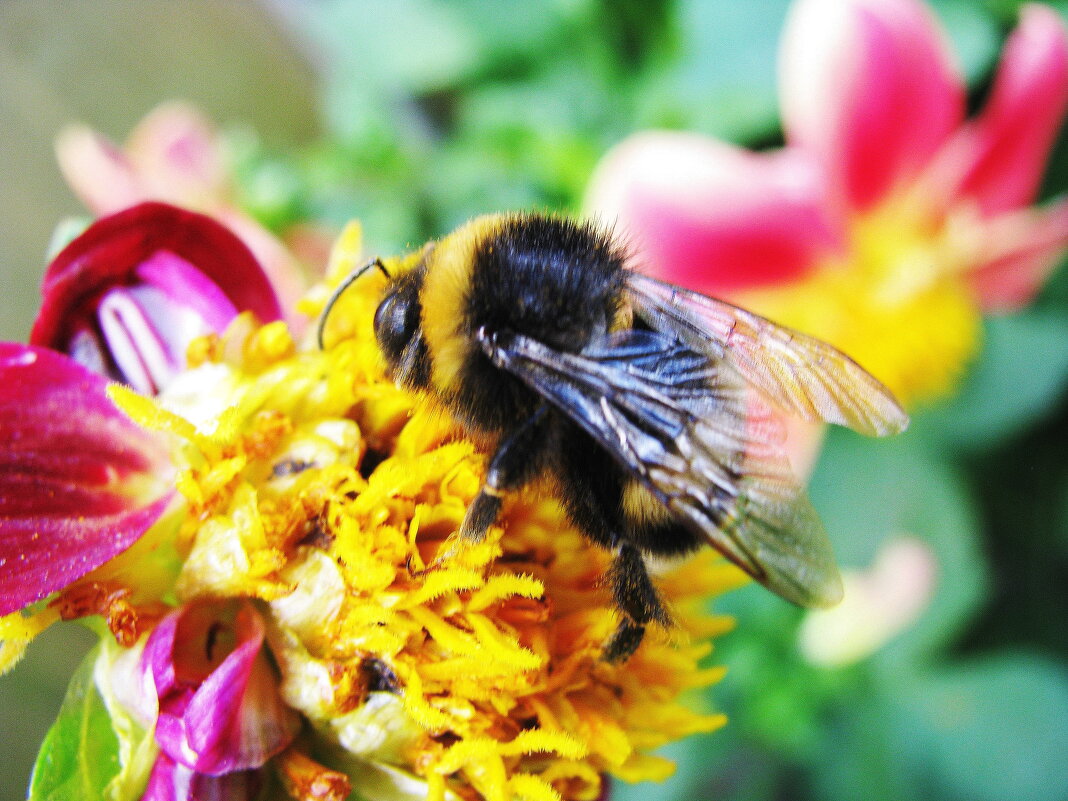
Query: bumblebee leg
{"type": "Point", "coordinates": [637, 599]}
{"type": "Point", "coordinates": [517, 460]}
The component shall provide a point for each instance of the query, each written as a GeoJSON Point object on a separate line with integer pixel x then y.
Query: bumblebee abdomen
{"type": "Point", "coordinates": [611, 506]}
{"type": "Point", "coordinates": [651, 526]}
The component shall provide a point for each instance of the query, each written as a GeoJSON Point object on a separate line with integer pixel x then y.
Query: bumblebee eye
{"type": "Point", "coordinates": [396, 321]}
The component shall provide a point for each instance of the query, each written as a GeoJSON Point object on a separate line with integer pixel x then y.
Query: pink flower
{"type": "Point", "coordinates": [79, 482]}
{"type": "Point", "coordinates": [175, 155]}
{"type": "Point", "coordinates": [128, 296]}
{"type": "Point", "coordinates": [889, 222]}
{"type": "Point", "coordinates": [219, 717]}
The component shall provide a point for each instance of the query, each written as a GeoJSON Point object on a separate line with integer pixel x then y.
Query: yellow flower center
{"type": "Point", "coordinates": [894, 300]}
{"type": "Point", "coordinates": [318, 487]}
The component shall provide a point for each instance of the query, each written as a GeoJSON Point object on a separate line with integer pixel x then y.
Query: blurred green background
{"type": "Point", "coordinates": [414, 115]}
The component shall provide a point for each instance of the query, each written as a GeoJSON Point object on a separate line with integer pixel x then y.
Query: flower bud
{"type": "Point", "coordinates": [127, 296]}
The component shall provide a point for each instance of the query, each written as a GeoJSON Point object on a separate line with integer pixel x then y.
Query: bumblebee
{"type": "Point", "coordinates": [651, 407]}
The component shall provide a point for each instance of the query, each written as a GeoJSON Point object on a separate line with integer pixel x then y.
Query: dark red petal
{"type": "Point", "coordinates": [110, 251]}
{"type": "Point", "coordinates": [79, 481]}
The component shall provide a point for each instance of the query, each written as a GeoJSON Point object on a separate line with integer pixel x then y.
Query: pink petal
{"type": "Point", "coordinates": [1023, 248]}
{"type": "Point", "coordinates": [146, 328]}
{"type": "Point", "coordinates": [184, 283]}
{"type": "Point", "coordinates": [158, 657]}
{"type": "Point", "coordinates": [100, 174]}
{"type": "Point", "coordinates": [880, 603]}
{"type": "Point", "coordinates": [113, 249]}
{"type": "Point", "coordinates": [870, 87]}
{"type": "Point", "coordinates": [79, 482]}
{"type": "Point", "coordinates": [173, 155]}
{"type": "Point", "coordinates": [802, 445]}
{"type": "Point", "coordinates": [216, 715]}
{"type": "Point", "coordinates": [179, 156]}
{"type": "Point", "coordinates": [712, 217]}
{"type": "Point", "coordinates": [999, 159]}
{"type": "Point", "coordinates": [170, 781]}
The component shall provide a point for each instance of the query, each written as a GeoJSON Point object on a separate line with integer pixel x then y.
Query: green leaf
{"type": "Point", "coordinates": [406, 45]}
{"type": "Point", "coordinates": [985, 730]}
{"type": "Point", "coordinates": [860, 756]}
{"type": "Point", "coordinates": [80, 753]}
{"type": "Point", "coordinates": [974, 35]}
{"type": "Point", "coordinates": [725, 82]}
{"type": "Point", "coordinates": [1022, 372]}
{"type": "Point", "coordinates": [992, 729]}
{"type": "Point", "coordinates": [514, 34]}
{"type": "Point", "coordinates": [1007, 11]}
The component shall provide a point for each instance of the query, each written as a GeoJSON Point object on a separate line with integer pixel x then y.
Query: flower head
{"type": "Point", "coordinates": [128, 296]}
{"type": "Point", "coordinates": [474, 668]}
{"type": "Point", "coordinates": [316, 519]}
{"type": "Point", "coordinates": [889, 222]}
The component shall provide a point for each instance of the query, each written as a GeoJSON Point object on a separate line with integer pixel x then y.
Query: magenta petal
{"type": "Point", "coordinates": [171, 781]}
{"type": "Point", "coordinates": [871, 88]}
{"type": "Point", "coordinates": [713, 217]}
{"type": "Point", "coordinates": [1000, 157]}
{"type": "Point", "coordinates": [157, 659]}
{"type": "Point", "coordinates": [112, 250]}
{"type": "Point", "coordinates": [1025, 246]}
{"type": "Point", "coordinates": [147, 327]}
{"type": "Point", "coordinates": [79, 482]}
{"type": "Point", "coordinates": [187, 285]}
{"type": "Point", "coordinates": [230, 717]}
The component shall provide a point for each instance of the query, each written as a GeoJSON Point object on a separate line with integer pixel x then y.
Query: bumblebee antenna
{"type": "Point", "coordinates": [350, 279]}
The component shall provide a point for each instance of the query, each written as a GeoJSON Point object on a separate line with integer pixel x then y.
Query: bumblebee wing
{"type": "Point", "coordinates": [694, 435]}
{"type": "Point", "coordinates": [804, 375]}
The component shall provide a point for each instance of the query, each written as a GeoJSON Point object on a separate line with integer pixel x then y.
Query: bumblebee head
{"type": "Point", "coordinates": [397, 319]}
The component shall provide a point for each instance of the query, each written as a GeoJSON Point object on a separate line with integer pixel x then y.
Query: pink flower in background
{"type": "Point", "coordinates": [176, 155]}
{"type": "Point", "coordinates": [889, 223]}
{"type": "Point", "coordinates": [127, 296]}
{"type": "Point", "coordinates": [880, 602]}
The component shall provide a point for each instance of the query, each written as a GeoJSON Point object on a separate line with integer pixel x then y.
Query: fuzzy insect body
{"type": "Point", "coordinates": [650, 406]}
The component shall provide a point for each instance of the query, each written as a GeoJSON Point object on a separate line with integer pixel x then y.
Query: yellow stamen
{"type": "Point", "coordinates": [17, 630]}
